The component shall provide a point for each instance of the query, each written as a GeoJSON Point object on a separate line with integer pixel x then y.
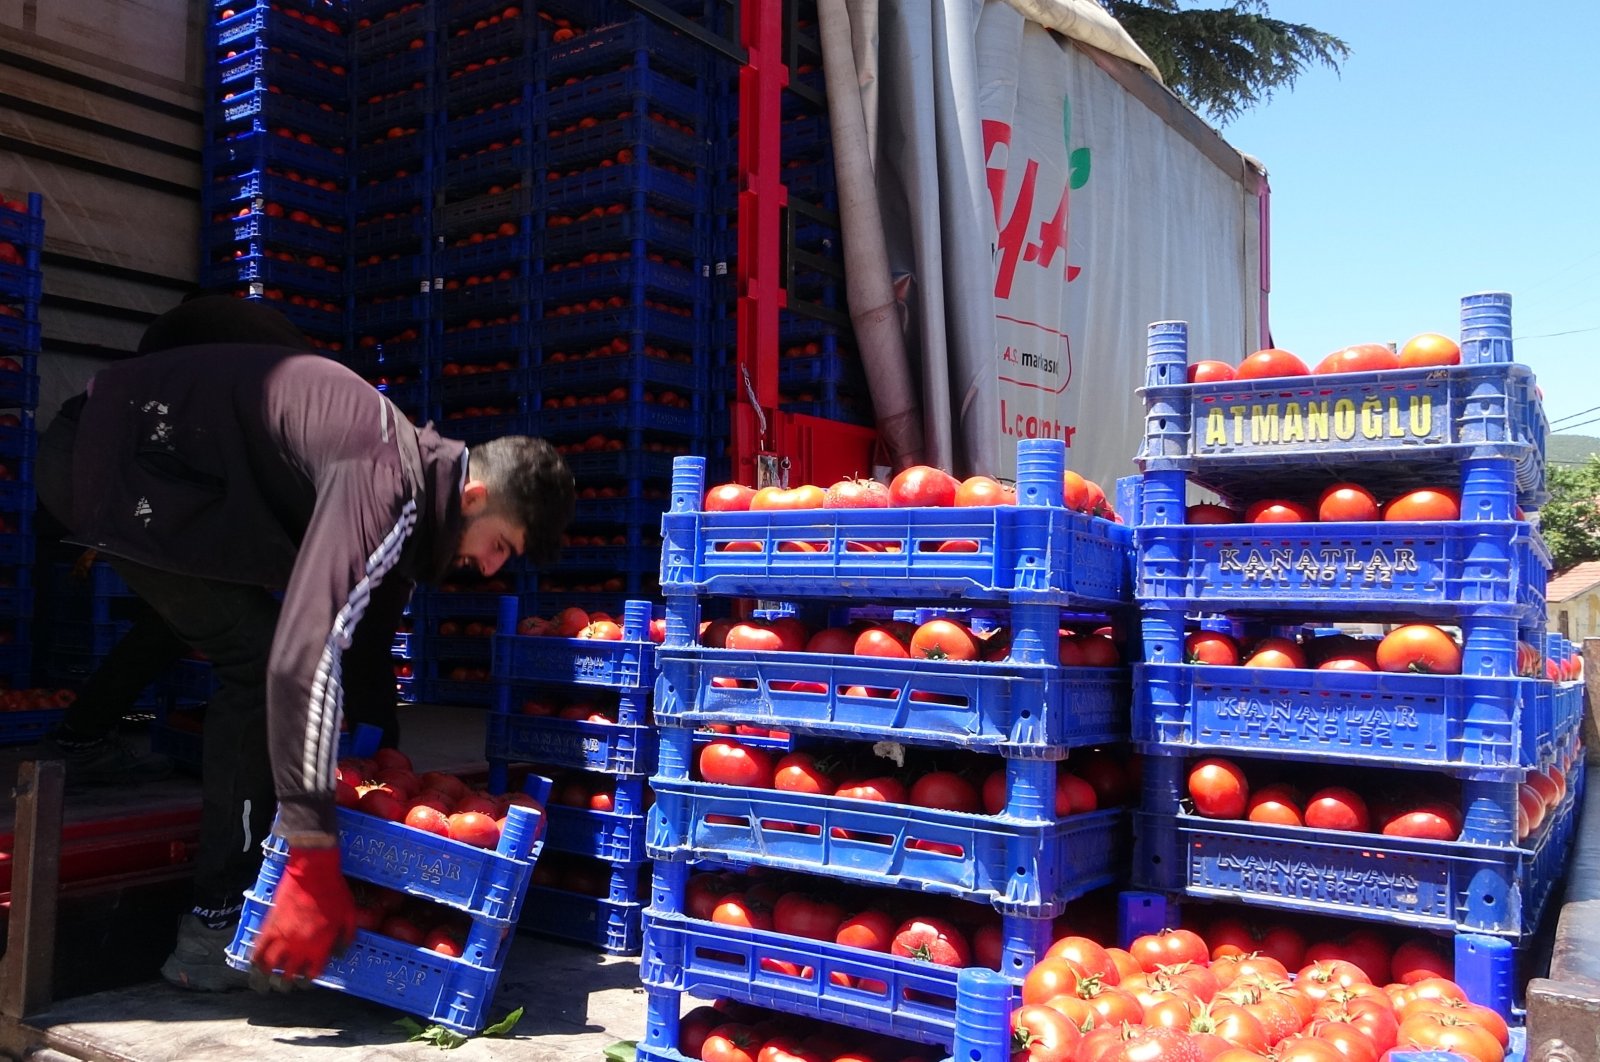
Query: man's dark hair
{"type": "Point", "coordinates": [530, 484]}
{"type": "Point", "coordinates": [209, 318]}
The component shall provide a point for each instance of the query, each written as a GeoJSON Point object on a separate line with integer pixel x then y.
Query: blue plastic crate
{"type": "Point", "coordinates": [265, 111]}
{"type": "Point", "coordinates": [1462, 722]}
{"type": "Point", "coordinates": [255, 189]}
{"type": "Point", "coordinates": [640, 558]}
{"type": "Point", "coordinates": [1029, 710]}
{"type": "Point", "coordinates": [477, 299]}
{"type": "Point", "coordinates": [638, 278]}
{"type": "Point", "coordinates": [1390, 430]}
{"type": "Point", "coordinates": [277, 234]}
{"type": "Point", "coordinates": [508, 37]}
{"type": "Point", "coordinates": [413, 108]}
{"type": "Point", "coordinates": [628, 665]}
{"type": "Point", "coordinates": [510, 78]}
{"type": "Point", "coordinates": [26, 728]}
{"type": "Point", "coordinates": [610, 925]}
{"type": "Point", "coordinates": [20, 284]}
{"type": "Point", "coordinates": [16, 601]}
{"type": "Point", "coordinates": [1032, 552]}
{"type": "Point", "coordinates": [477, 344]}
{"type": "Point", "coordinates": [514, 162]}
{"type": "Point", "coordinates": [19, 335]}
{"type": "Point", "coordinates": [261, 67]}
{"type": "Point", "coordinates": [1436, 570]}
{"type": "Point", "coordinates": [610, 747]}
{"type": "Point", "coordinates": [861, 989]}
{"type": "Point", "coordinates": [395, 193]}
{"type": "Point", "coordinates": [806, 136]}
{"type": "Point", "coordinates": [454, 993]}
{"type": "Point", "coordinates": [371, 316]}
{"type": "Point", "coordinates": [496, 254]}
{"type": "Point", "coordinates": [16, 549]}
{"type": "Point", "coordinates": [308, 279]}
{"type": "Point", "coordinates": [605, 185]}
{"type": "Point", "coordinates": [407, 272]}
{"type": "Point", "coordinates": [833, 369]}
{"type": "Point", "coordinates": [439, 604]}
{"type": "Point", "coordinates": [397, 71]}
{"type": "Point", "coordinates": [611, 836]}
{"type": "Point", "coordinates": [317, 322]}
{"type": "Point", "coordinates": [589, 374]}
{"type": "Point", "coordinates": [638, 230]}
{"type": "Point", "coordinates": [1416, 884]}
{"type": "Point", "coordinates": [465, 694]}
{"type": "Point", "coordinates": [836, 408]}
{"type": "Point", "coordinates": [639, 42]}
{"type": "Point", "coordinates": [620, 464]}
{"type": "Point", "coordinates": [574, 148]}
{"type": "Point", "coordinates": [388, 158]}
{"type": "Point", "coordinates": [255, 151]}
{"type": "Point", "coordinates": [22, 229]}
{"type": "Point", "coordinates": [392, 32]}
{"type": "Point", "coordinates": [16, 494]}
{"type": "Point", "coordinates": [95, 638]}
{"type": "Point", "coordinates": [814, 180]}
{"type": "Point", "coordinates": [573, 331]}
{"type": "Point", "coordinates": [383, 234]}
{"type": "Point", "coordinates": [259, 25]}
{"type": "Point", "coordinates": [640, 512]}
{"type": "Point", "coordinates": [503, 386]}
{"type": "Point", "coordinates": [485, 210]}
{"type": "Point", "coordinates": [621, 416]}
{"type": "Point", "coordinates": [1020, 867]}
{"type": "Point", "coordinates": [619, 90]}
{"type": "Point", "coordinates": [518, 119]}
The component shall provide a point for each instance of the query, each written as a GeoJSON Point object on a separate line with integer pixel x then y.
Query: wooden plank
{"type": "Point", "coordinates": [1591, 694]}
{"type": "Point", "coordinates": [29, 963]}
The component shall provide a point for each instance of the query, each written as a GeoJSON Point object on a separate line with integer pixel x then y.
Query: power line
{"type": "Point", "coordinates": [1571, 427]}
{"type": "Point", "coordinates": [1573, 416]}
{"type": "Point", "coordinates": [1552, 335]}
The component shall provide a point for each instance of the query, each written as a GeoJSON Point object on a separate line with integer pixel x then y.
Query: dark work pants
{"type": "Point", "coordinates": [141, 656]}
{"type": "Point", "coordinates": [233, 625]}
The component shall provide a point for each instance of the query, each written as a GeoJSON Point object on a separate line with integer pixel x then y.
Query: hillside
{"type": "Point", "coordinates": [1571, 449]}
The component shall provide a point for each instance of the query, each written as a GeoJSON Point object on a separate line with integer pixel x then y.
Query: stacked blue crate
{"type": "Point", "coordinates": [21, 286]}
{"type": "Point", "coordinates": [1035, 559]}
{"type": "Point", "coordinates": [275, 160]}
{"type": "Point", "coordinates": [623, 374]}
{"type": "Point", "coordinates": [554, 708]}
{"type": "Point", "coordinates": [480, 890]}
{"type": "Point", "coordinates": [394, 64]}
{"type": "Point", "coordinates": [1476, 428]}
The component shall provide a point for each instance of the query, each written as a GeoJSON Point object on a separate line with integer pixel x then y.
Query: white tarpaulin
{"type": "Point", "coordinates": [1045, 214]}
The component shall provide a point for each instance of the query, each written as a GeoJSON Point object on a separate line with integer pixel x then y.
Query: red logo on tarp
{"type": "Point", "coordinates": [1012, 244]}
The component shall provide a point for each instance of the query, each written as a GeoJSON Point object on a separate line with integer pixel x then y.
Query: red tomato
{"type": "Point", "coordinates": [729, 498]}
{"type": "Point", "coordinates": [837, 640]}
{"type": "Point", "coordinates": [806, 496]}
{"type": "Point", "coordinates": [942, 639]}
{"type": "Point", "coordinates": [1106, 774]}
{"type": "Point", "coordinates": [1337, 808]}
{"type": "Point", "coordinates": [1276, 653]}
{"type": "Point", "coordinates": [1419, 647]}
{"type": "Point", "coordinates": [1346, 502]}
{"type": "Point", "coordinates": [798, 773]}
{"type": "Point", "coordinates": [1275, 804]}
{"type": "Point", "coordinates": [1279, 511]}
{"type": "Point", "coordinates": [801, 915]}
{"type": "Point", "coordinates": [1040, 1034]}
{"type": "Point", "coordinates": [923, 486]}
{"type": "Point", "coordinates": [1074, 796]}
{"type": "Point", "coordinates": [1426, 824]}
{"type": "Point", "coordinates": [1155, 1044]}
{"type": "Point", "coordinates": [1074, 491]}
{"type": "Point", "coordinates": [1098, 650]}
{"type": "Point", "coordinates": [1445, 1032]}
{"type": "Point", "coordinates": [730, 1043]}
{"type": "Point", "coordinates": [1210, 647]}
{"type": "Point", "coordinates": [870, 930]}
{"type": "Point", "coordinates": [877, 641]}
{"type": "Point", "coordinates": [982, 490]}
{"type": "Point", "coordinates": [931, 940]}
{"type": "Point", "coordinates": [755, 635]}
{"type": "Point", "coordinates": [1306, 1049]}
{"type": "Point", "coordinates": [1231, 939]}
{"type": "Point", "coordinates": [1088, 955]}
{"type": "Point", "coordinates": [1424, 504]}
{"type": "Point", "coordinates": [1363, 357]}
{"type": "Point", "coordinates": [1210, 372]}
{"type": "Point", "coordinates": [946, 791]}
{"type": "Point", "coordinates": [727, 762]}
{"type": "Point", "coordinates": [1154, 950]}
{"type": "Point", "coordinates": [743, 911]}
{"type": "Point", "coordinates": [883, 790]}
{"type": "Point", "coordinates": [1052, 977]}
{"type": "Point", "coordinates": [856, 494]}
{"type": "Point", "coordinates": [1218, 789]}
{"type": "Point", "coordinates": [1268, 363]}
{"type": "Point", "coordinates": [1207, 513]}
{"type": "Point", "coordinates": [1285, 944]}
{"type": "Point", "coordinates": [1418, 960]}
{"type": "Point", "coordinates": [1429, 348]}
{"type": "Point", "coordinates": [694, 1027]}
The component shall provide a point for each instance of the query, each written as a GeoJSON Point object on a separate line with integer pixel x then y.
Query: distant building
{"type": "Point", "coordinates": [1573, 601]}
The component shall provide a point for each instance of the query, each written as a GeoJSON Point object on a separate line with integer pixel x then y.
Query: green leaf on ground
{"type": "Point", "coordinates": [622, 1051]}
{"type": "Point", "coordinates": [504, 1026]}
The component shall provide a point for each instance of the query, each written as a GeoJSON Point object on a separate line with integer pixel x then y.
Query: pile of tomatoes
{"type": "Point", "coordinates": [1219, 789]}
{"type": "Point", "coordinates": [918, 487]}
{"type": "Point", "coordinates": [34, 700]}
{"type": "Point", "coordinates": [574, 622]}
{"type": "Point", "coordinates": [410, 919]}
{"type": "Point", "coordinates": [386, 787]}
{"type": "Point", "coordinates": [728, 1031]}
{"type": "Point", "coordinates": [935, 639]}
{"type": "Point", "coordinates": [1429, 349]}
{"type": "Point", "coordinates": [1170, 997]}
{"type": "Point", "coordinates": [1088, 780]}
{"type": "Point", "coordinates": [1417, 648]}
{"type": "Point", "coordinates": [1338, 503]}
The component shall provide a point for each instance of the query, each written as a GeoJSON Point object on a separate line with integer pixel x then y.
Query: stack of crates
{"type": "Point", "coordinates": [622, 377]}
{"type": "Point", "coordinates": [21, 284]}
{"type": "Point", "coordinates": [275, 159]}
{"type": "Point", "coordinates": [1033, 560]}
{"type": "Point", "coordinates": [1470, 739]}
{"type": "Point", "coordinates": [483, 887]}
{"type": "Point", "coordinates": [393, 77]}
{"type": "Point", "coordinates": [581, 707]}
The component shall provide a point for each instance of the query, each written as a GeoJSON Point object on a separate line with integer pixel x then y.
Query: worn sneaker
{"type": "Point", "coordinates": [199, 963]}
{"type": "Point", "coordinates": [110, 760]}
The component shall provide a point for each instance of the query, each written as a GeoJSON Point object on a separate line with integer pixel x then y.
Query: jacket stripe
{"type": "Point", "coordinates": [326, 712]}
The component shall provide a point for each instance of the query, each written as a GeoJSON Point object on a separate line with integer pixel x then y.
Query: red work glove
{"type": "Point", "coordinates": [313, 915]}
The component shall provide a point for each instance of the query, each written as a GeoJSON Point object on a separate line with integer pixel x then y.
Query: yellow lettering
{"type": "Point", "coordinates": [1421, 415]}
{"type": "Point", "coordinates": [1263, 424]}
{"type": "Point", "coordinates": [1344, 419]}
{"type": "Point", "coordinates": [1293, 431]}
{"type": "Point", "coordinates": [1238, 424]}
{"type": "Point", "coordinates": [1372, 418]}
{"type": "Point", "coordinates": [1216, 429]}
{"type": "Point", "coordinates": [1395, 430]}
{"type": "Point", "coordinates": [1317, 422]}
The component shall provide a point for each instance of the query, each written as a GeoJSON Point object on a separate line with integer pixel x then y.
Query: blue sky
{"type": "Point", "coordinates": [1457, 150]}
